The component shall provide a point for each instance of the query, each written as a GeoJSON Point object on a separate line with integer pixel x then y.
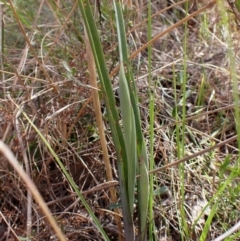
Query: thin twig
{"type": "Point", "coordinates": [187, 158]}
{"type": "Point", "coordinates": [102, 186]}
{"type": "Point", "coordinates": [228, 233]}
{"type": "Point", "coordinates": [24, 155]}
{"type": "Point", "coordinates": [232, 4]}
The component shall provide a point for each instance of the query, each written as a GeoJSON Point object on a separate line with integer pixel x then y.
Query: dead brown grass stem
{"type": "Point", "coordinates": [80, 113]}
{"type": "Point", "coordinates": [156, 14]}
{"type": "Point", "coordinates": [235, 10]}
{"type": "Point", "coordinates": [168, 30]}
{"type": "Point", "coordinates": [21, 75]}
{"type": "Point", "coordinates": [99, 187]}
{"type": "Point", "coordinates": [9, 227]}
{"type": "Point", "coordinates": [31, 48]}
{"type": "Point", "coordinates": [144, 21]}
{"type": "Point", "coordinates": [27, 167]}
{"type": "Point", "coordinates": [175, 163]}
{"type": "Point", "coordinates": [62, 27]}
{"type": "Point", "coordinates": [194, 117]}
{"type": "Point", "coordinates": [187, 158]}
{"type": "Point", "coordinates": [31, 186]}
{"type": "Point", "coordinates": [53, 9]}
{"type": "Point", "coordinates": [17, 76]}
{"type": "Point", "coordinates": [100, 124]}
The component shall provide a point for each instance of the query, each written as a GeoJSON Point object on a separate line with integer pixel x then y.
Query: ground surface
{"type": "Point", "coordinates": [67, 120]}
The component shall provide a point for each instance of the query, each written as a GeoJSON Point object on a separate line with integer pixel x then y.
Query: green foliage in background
{"type": "Point", "coordinates": [237, 3]}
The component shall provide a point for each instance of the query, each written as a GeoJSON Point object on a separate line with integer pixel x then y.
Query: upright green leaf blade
{"type": "Point", "coordinates": [112, 112]}
{"type": "Point", "coordinates": [129, 130]}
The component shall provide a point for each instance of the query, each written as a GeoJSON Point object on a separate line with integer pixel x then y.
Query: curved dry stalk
{"type": "Point", "coordinates": [228, 233]}
{"type": "Point", "coordinates": [33, 189]}
{"type": "Point", "coordinates": [26, 162]}
{"type": "Point", "coordinates": [179, 23]}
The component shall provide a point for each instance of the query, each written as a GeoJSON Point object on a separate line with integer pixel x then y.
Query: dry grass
{"type": "Point", "coordinates": [53, 90]}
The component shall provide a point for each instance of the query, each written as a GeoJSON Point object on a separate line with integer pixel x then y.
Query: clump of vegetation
{"type": "Point", "coordinates": [119, 120]}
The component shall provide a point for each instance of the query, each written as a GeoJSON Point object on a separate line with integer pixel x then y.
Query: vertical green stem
{"type": "Point", "coordinates": [151, 127]}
